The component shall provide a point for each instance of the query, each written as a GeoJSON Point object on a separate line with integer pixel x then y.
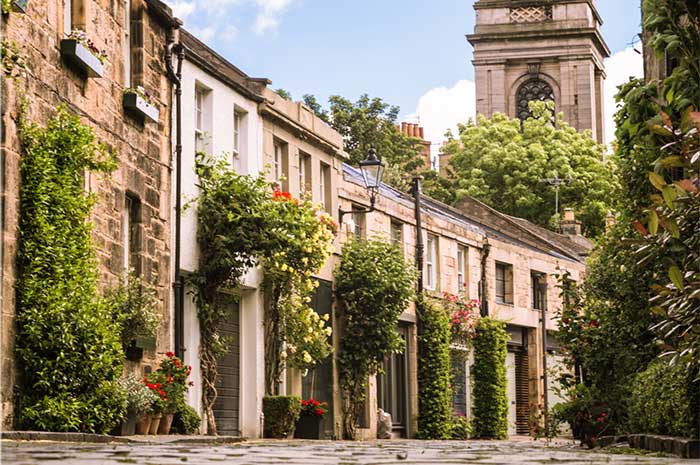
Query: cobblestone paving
{"type": "Point", "coordinates": [514, 452]}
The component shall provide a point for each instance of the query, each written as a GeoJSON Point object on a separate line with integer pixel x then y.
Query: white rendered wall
{"type": "Point", "coordinates": [221, 102]}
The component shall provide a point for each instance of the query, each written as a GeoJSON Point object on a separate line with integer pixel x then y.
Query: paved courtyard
{"type": "Point", "coordinates": [517, 452]}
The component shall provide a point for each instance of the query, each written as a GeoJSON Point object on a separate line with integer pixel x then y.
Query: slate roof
{"type": "Point", "coordinates": [476, 216]}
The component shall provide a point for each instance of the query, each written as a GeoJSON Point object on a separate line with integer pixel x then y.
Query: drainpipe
{"type": "Point", "coordinates": [175, 76]}
{"type": "Point", "coordinates": [416, 192]}
{"type": "Point", "coordinates": [485, 251]}
{"type": "Point", "coordinates": [545, 381]}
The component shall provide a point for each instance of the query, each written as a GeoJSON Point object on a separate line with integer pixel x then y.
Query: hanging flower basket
{"type": "Point", "coordinates": [137, 101]}
{"type": "Point", "coordinates": [78, 50]}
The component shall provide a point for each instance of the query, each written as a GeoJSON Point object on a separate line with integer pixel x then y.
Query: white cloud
{"type": "Point", "coordinates": [205, 34]}
{"type": "Point", "coordinates": [268, 18]}
{"type": "Point", "coordinates": [181, 8]}
{"type": "Point", "coordinates": [619, 68]}
{"type": "Point", "coordinates": [265, 22]}
{"type": "Point", "coordinates": [443, 108]}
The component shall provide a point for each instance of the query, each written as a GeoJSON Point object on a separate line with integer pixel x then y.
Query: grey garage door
{"type": "Point", "coordinates": [226, 406]}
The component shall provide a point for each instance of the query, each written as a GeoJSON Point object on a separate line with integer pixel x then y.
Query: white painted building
{"type": "Point", "coordinates": [220, 116]}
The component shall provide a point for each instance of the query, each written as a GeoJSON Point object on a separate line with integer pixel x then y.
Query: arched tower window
{"type": "Point", "coordinates": [532, 89]}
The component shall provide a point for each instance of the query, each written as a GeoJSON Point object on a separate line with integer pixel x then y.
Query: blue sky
{"type": "Point", "coordinates": [396, 50]}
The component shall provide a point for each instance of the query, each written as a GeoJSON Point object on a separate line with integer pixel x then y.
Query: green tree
{"type": "Point", "coordinates": [371, 122]}
{"type": "Point", "coordinates": [504, 163]}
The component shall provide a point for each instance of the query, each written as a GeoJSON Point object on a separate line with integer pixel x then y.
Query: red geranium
{"type": "Point", "coordinates": [314, 408]}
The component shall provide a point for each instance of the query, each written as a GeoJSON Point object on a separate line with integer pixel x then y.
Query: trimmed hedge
{"type": "Point", "coordinates": [281, 414]}
{"type": "Point", "coordinates": [490, 412]}
{"type": "Point", "coordinates": [434, 393]}
{"type": "Point", "coordinates": [665, 400]}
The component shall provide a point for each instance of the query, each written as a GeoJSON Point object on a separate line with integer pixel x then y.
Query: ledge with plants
{"type": "Point", "coordinates": [139, 102]}
{"type": "Point", "coordinates": [80, 51]}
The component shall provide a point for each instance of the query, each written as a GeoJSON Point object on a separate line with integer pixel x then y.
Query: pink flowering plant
{"type": "Point", "coordinates": [464, 314]}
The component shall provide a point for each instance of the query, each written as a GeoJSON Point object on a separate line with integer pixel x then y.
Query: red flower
{"type": "Point", "coordinates": [593, 324]}
{"type": "Point", "coordinates": [319, 412]}
{"type": "Point", "coordinates": [170, 354]}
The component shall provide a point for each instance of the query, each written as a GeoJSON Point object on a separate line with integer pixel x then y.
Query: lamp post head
{"type": "Point", "coordinates": [372, 171]}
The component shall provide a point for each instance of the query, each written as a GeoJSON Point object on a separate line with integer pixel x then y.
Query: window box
{"type": "Point", "coordinates": [80, 55]}
{"type": "Point", "coordinates": [138, 104]}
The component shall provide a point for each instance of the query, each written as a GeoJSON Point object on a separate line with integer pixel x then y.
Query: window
{"type": "Point", "coordinates": [325, 179]}
{"type": "Point", "coordinates": [304, 173]}
{"type": "Point", "coordinates": [532, 90]}
{"type": "Point", "coordinates": [504, 283]}
{"type": "Point", "coordinates": [130, 231]}
{"type": "Point", "coordinates": [280, 164]}
{"type": "Point", "coordinates": [201, 118]}
{"type": "Point", "coordinates": [462, 268]}
{"type": "Point", "coordinates": [67, 16]}
{"type": "Point", "coordinates": [539, 290]}
{"type": "Point", "coordinates": [358, 220]}
{"type": "Point", "coordinates": [397, 234]}
{"type": "Point", "coordinates": [237, 121]}
{"type": "Point", "coordinates": [127, 43]}
{"type": "Point", "coordinates": [431, 262]}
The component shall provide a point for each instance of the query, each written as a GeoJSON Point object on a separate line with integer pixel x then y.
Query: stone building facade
{"type": "Point", "coordinates": [509, 264]}
{"type": "Point", "coordinates": [540, 50]}
{"type": "Point", "coordinates": [131, 216]}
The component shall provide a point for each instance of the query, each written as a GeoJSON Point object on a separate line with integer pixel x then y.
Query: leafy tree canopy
{"type": "Point", "coordinates": [371, 122]}
{"type": "Point", "coordinates": [505, 163]}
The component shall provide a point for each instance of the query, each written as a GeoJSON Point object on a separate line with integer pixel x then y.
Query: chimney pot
{"type": "Point", "coordinates": [420, 133]}
{"type": "Point", "coordinates": [404, 127]}
{"type": "Point", "coordinates": [569, 214]}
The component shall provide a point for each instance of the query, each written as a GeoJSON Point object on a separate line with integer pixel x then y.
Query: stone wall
{"type": "Point", "coordinates": [141, 148]}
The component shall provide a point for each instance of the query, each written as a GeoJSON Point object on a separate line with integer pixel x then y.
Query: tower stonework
{"type": "Point", "coordinates": [540, 50]}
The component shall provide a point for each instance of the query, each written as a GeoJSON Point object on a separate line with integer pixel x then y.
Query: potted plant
{"type": "Point", "coordinates": [134, 306]}
{"type": "Point", "coordinates": [158, 404]}
{"type": "Point", "coordinates": [309, 424]}
{"type": "Point", "coordinates": [139, 400]}
{"type": "Point", "coordinates": [144, 398]}
{"type": "Point", "coordinates": [79, 50]}
{"type": "Point", "coordinates": [140, 102]}
{"type": "Point", "coordinates": [171, 378]}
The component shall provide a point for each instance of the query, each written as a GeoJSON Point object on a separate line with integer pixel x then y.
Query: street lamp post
{"type": "Point", "coordinates": [372, 171]}
{"type": "Point", "coordinates": [557, 182]}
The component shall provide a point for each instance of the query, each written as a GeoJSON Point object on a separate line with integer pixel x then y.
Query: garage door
{"type": "Point", "coordinates": [226, 407]}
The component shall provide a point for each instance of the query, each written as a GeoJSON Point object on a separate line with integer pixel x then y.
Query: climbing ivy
{"type": "Point", "coordinates": [375, 285]}
{"type": "Point", "coordinates": [489, 393]}
{"type": "Point", "coordinates": [68, 347]}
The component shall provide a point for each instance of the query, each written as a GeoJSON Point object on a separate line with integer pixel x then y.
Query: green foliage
{"type": "Point", "coordinates": [139, 396]}
{"type": "Point", "coordinates": [186, 420]}
{"type": "Point", "coordinates": [134, 307]}
{"type": "Point", "coordinates": [281, 414]}
{"type": "Point", "coordinates": [284, 94]}
{"type": "Point", "coordinates": [371, 122]}
{"type": "Point", "coordinates": [243, 222]}
{"type": "Point", "coordinates": [665, 400]}
{"type": "Point", "coordinates": [171, 376]}
{"type": "Point", "coordinates": [461, 428]}
{"type": "Point", "coordinates": [67, 344]}
{"type": "Point", "coordinates": [504, 163]}
{"type": "Point", "coordinates": [490, 412]}
{"type": "Point", "coordinates": [6, 7]}
{"type": "Point", "coordinates": [13, 63]}
{"type": "Point", "coordinates": [434, 392]}
{"type": "Point", "coordinates": [375, 285]}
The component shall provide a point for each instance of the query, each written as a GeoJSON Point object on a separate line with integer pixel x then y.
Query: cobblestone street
{"type": "Point", "coordinates": [516, 452]}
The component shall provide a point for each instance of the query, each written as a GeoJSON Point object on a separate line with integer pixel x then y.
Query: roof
{"type": "Point", "coordinates": [209, 60]}
{"type": "Point", "coordinates": [474, 215]}
{"type": "Point", "coordinates": [164, 13]}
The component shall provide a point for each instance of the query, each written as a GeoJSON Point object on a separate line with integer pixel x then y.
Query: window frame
{"type": "Point", "coordinates": [431, 262]}
{"type": "Point", "coordinates": [304, 173]}
{"type": "Point", "coordinates": [462, 268]}
{"type": "Point", "coordinates": [127, 44]}
{"type": "Point", "coordinates": [538, 290]}
{"type": "Point", "coordinates": [508, 284]}
{"type": "Point", "coordinates": [237, 123]}
{"type": "Point", "coordinates": [325, 185]}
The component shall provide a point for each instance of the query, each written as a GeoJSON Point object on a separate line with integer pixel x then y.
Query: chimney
{"type": "Point", "coordinates": [569, 225]}
{"type": "Point", "coordinates": [420, 133]}
{"type": "Point", "coordinates": [404, 127]}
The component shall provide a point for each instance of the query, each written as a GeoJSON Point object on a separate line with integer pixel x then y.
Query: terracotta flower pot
{"type": "Point", "coordinates": [165, 423]}
{"type": "Point", "coordinates": [155, 423]}
{"type": "Point", "coordinates": [143, 424]}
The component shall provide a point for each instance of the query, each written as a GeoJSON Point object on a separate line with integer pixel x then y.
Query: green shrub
{"type": "Point", "coordinates": [375, 285]}
{"type": "Point", "coordinates": [434, 393]}
{"type": "Point", "coordinates": [665, 400]}
{"type": "Point", "coordinates": [68, 346]}
{"type": "Point", "coordinates": [281, 414]}
{"type": "Point", "coordinates": [186, 420]}
{"type": "Point", "coordinates": [490, 413]}
{"type": "Point", "coordinates": [461, 428]}
{"type": "Point", "coordinates": [134, 307]}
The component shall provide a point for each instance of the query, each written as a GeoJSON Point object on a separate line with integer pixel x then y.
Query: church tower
{"type": "Point", "coordinates": [540, 50]}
